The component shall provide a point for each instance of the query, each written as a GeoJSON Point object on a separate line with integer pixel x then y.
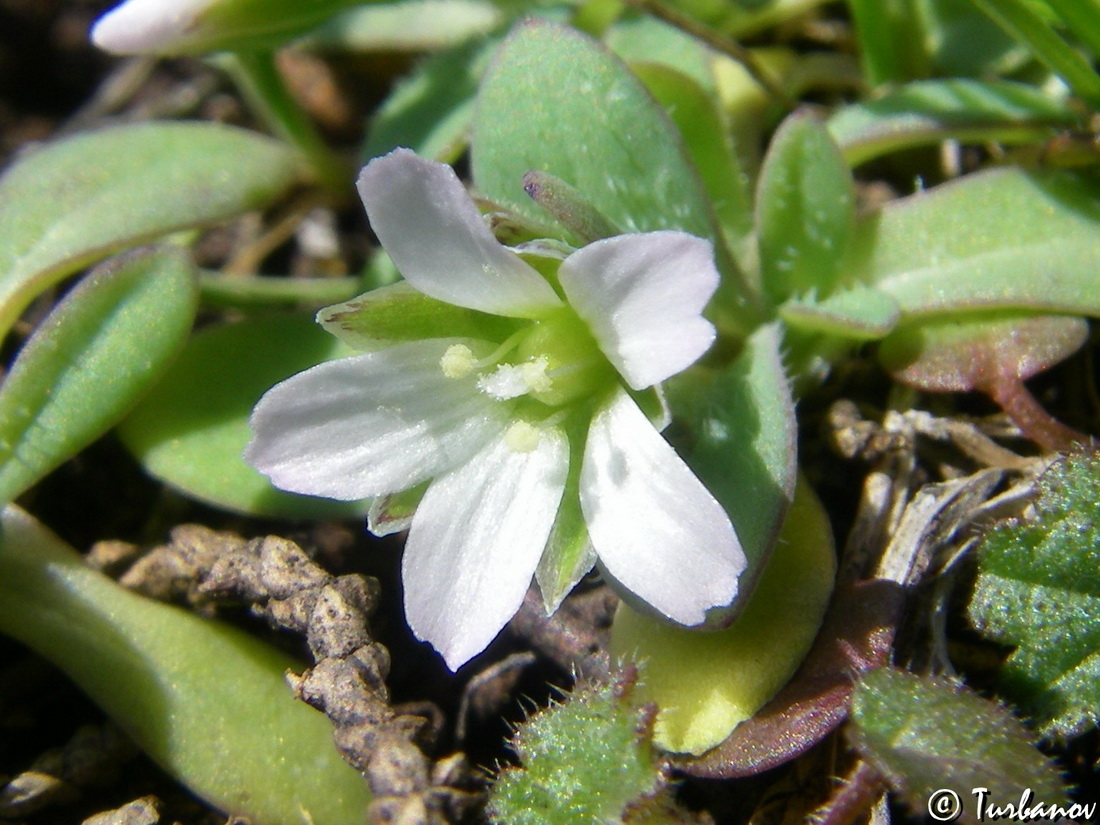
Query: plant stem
{"type": "Point", "coordinates": [1034, 421]}
{"type": "Point", "coordinates": [258, 77]}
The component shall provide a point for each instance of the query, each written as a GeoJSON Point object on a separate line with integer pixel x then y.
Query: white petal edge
{"type": "Point", "coordinates": [657, 530]}
{"type": "Point", "coordinates": [146, 26]}
{"type": "Point", "coordinates": [642, 297]}
{"type": "Point", "coordinates": [435, 235]}
{"type": "Point", "coordinates": [372, 424]}
{"type": "Point", "coordinates": [475, 542]}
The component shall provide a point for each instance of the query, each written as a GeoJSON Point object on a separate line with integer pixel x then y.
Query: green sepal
{"type": "Point", "coordinates": [395, 313]}
{"type": "Point", "coordinates": [569, 554]}
{"type": "Point", "coordinates": [394, 512]}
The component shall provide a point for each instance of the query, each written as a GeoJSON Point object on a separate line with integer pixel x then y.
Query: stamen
{"type": "Point", "coordinates": [522, 437]}
{"type": "Point", "coordinates": [513, 380]}
{"type": "Point", "coordinates": [458, 361]}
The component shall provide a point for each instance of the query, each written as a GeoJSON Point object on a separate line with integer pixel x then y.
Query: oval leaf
{"type": "Point", "coordinates": [805, 206]}
{"type": "Point", "coordinates": [191, 431]}
{"type": "Point", "coordinates": [704, 684]}
{"type": "Point", "coordinates": [79, 199]}
{"type": "Point", "coordinates": [207, 701]}
{"type": "Point", "coordinates": [91, 359]}
{"type": "Point", "coordinates": [741, 437]}
{"type": "Point", "coordinates": [623, 154]}
{"type": "Point", "coordinates": [947, 250]}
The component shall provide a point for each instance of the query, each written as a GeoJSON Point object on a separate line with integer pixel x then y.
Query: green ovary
{"type": "Point", "coordinates": [574, 363]}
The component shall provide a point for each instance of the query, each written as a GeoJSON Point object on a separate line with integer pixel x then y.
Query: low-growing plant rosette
{"type": "Point", "coordinates": [507, 410]}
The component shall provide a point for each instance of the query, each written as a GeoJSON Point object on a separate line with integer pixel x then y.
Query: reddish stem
{"type": "Point", "coordinates": [1034, 422]}
{"type": "Point", "coordinates": [852, 799]}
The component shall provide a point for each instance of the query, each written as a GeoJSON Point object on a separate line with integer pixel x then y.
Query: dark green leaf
{"type": "Point", "coordinates": [927, 734]}
{"type": "Point", "coordinates": [1038, 589]}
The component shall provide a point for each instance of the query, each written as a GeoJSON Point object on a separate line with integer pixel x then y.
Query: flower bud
{"type": "Point", "coordinates": [173, 27]}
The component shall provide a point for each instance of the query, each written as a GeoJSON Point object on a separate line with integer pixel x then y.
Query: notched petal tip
{"type": "Point", "coordinates": [643, 297]}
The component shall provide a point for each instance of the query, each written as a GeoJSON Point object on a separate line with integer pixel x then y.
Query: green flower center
{"type": "Point", "coordinates": [554, 360]}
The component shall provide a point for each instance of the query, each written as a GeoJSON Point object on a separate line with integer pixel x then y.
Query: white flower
{"type": "Point", "coordinates": [514, 430]}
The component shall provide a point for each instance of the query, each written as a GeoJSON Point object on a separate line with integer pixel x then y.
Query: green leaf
{"type": "Point", "coordinates": [617, 148]}
{"type": "Point", "coordinates": [930, 111]}
{"type": "Point", "coordinates": [78, 200]}
{"type": "Point", "coordinates": [860, 314]}
{"type": "Point", "coordinates": [1038, 589]}
{"type": "Point", "coordinates": [191, 430]}
{"type": "Point", "coordinates": [207, 701]}
{"type": "Point", "coordinates": [90, 361]}
{"type": "Point", "coordinates": [705, 684]}
{"type": "Point", "coordinates": [587, 759]}
{"type": "Point", "coordinates": [927, 734]}
{"type": "Point", "coordinates": [706, 136]}
{"type": "Point", "coordinates": [431, 110]}
{"type": "Point", "coordinates": [805, 206]}
{"type": "Point", "coordinates": [1020, 19]}
{"type": "Point", "coordinates": [740, 441]}
{"type": "Point", "coordinates": [976, 351]}
{"type": "Point", "coordinates": [406, 26]}
{"type": "Point", "coordinates": [997, 239]}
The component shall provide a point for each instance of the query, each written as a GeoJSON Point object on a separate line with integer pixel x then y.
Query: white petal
{"type": "Point", "coordinates": [146, 26]}
{"type": "Point", "coordinates": [432, 230]}
{"type": "Point", "coordinates": [475, 542]}
{"type": "Point", "coordinates": [657, 531]}
{"type": "Point", "coordinates": [642, 296]}
{"type": "Point", "coordinates": [372, 424]}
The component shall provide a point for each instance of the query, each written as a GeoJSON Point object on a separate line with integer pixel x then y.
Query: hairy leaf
{"type": "Point", "coordinates": [1038, 589]}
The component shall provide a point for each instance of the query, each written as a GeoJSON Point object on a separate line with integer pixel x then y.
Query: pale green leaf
{"type": "Point", "coordinates": [91, 360]}
{"type": "Point", "coordinates": [191, 430]}
{"type": "Point", "coordinates": [205, 700]}
{"type": "Point", "coordinates": [75, 201]}
{"type": "Point", "coordinates": [805, 207]}
{"type": "Point", "coordinates": [590, 122]}
{"type": "Point", "coordinates": [991, 240]}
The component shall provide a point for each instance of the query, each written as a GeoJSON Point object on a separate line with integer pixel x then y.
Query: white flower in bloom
{"type": "Point", "coordinates": [524, 415]}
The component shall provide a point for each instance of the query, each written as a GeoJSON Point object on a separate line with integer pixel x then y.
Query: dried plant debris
{"type": "Point", "coordinates": [1038, 589]}
{"type": "Point", "coordinates": [144, 811]}
{"type": "Point", "coordinates": [203, 567]}
{"type": "Point", "coordinates": [91, 758]}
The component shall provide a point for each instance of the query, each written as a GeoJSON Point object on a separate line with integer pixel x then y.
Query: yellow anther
{"type": "Point", "coordinates": [458, 361]}
{"type": "Point", "coordinates": [522, 437]}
